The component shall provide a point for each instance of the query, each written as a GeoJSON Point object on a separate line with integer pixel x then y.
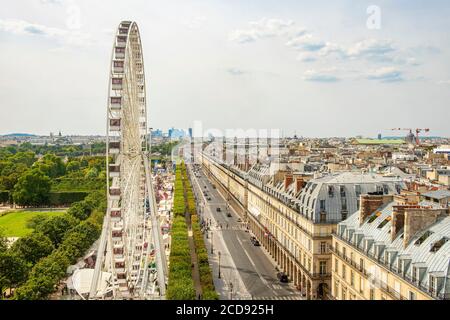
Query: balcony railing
{"type": "Point", "coordinates": [357, 266]}
{"type": "Point", "coordinates": [395, 270]}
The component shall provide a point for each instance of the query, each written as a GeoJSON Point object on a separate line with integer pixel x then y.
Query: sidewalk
{"type": "Point", "coordinates": [230, 284]}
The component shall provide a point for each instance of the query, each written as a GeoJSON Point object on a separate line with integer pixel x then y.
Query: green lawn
{"type": "Point", "coordinates": [14, 224]}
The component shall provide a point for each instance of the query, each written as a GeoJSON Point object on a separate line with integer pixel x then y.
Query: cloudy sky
{"type": "Point", "coordinates": [316, 68]}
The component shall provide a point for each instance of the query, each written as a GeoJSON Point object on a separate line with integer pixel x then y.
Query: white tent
{"type": "Point", "coordinates": [82, 278]}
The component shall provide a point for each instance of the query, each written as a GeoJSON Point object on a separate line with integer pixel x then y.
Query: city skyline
{"type": "Point", "coordinates": [316, 70]}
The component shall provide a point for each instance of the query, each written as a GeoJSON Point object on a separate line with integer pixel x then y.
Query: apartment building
{"type": "Point", "coordinates": [293, 214]}
{"type": "Point", "coordinates": [393, 248]}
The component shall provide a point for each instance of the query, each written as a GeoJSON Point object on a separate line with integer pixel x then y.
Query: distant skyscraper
{"type": "Point", "coordinates": [176, 133]}
{"type": "Point", "coordinates": [157, 133]}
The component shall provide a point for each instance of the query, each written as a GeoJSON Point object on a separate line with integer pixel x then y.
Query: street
{"type": "Point", "coordinates": [251, 272]}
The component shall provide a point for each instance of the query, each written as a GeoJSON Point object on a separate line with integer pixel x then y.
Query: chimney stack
{"type": "Point", "coordinates": [398, 218]}
{"type": "Point", "coordinates": [298, 184]}
{"type": "Point", "coordinates": [288, 179]}
{"type": "Point", "coordinates": [418, 219]}
{"type": "Point", "coordinates": [370, 203]}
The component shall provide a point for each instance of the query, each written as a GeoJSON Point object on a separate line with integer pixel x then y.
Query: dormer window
{"type": "Point", "coordinates": [433, 284]}
{"type": "Point", "coordinates": [386, 257]}
{"type": "Point", "coordinates": [342, 191]}
{"type": "Point", "coordinates": [331, 191]}
{"type": "Point", "coordinates": [358, 190]}
{"type": "Point", "coordinates": [322, 205]}
{"type": "Point", "coordinates": [344, 203]}
{"type": "Point", "coordinates": [400, 266]}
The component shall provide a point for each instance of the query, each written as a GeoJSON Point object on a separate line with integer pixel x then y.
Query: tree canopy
{"type": "Point", "coordinates": [32, 188]}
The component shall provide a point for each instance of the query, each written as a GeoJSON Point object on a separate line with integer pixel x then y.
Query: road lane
{"type": "Point", "coordinates": [253, 265]}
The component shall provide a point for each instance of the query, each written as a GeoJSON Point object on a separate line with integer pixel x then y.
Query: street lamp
{"type": "Point", "coordinates": [212, 247]}
{"type": "Point", "coordinates": [231, 290]}
{"type": "Point", "coordinates": [219, 264]}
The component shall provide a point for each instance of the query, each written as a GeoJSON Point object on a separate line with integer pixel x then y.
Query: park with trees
{"type": "Point", "coordinates": [49, 241]}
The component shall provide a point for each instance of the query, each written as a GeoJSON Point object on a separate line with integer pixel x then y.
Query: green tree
{"type": "Point", "coordinates": [27, 158]}
{"type": "Point", "coordinates": [91, 173]}
{"type": "Point", "coordinates": [13, 270]}
{"type": "Point", "coordinates": [32, 189]}
{"type": "Point", "coordinates": [80, 210]}
{"type": "Point", "coordinates": [73, 166]}
{"type": "Point", "coordinates": [3, 242]}
{"type": "Point", "coordinates": [44, 277]}
{"type": "Point", "coordinates": [33, 247]}
{"type": "Point", "coordinates": [51, 165]}
{"type": "Point", "coordinates": [56, 227]}
{"type": "Point", "coordinates": [10, 174]}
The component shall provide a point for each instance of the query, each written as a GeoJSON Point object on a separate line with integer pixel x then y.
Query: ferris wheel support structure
{"type": "Point", "coordinates": [131, 242]}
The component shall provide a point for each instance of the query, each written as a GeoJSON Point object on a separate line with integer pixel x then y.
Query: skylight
{"type": "Point", "coordinates": [438, 244]}
{"type": "Point", "coordinates": [383, 223]}
{"type": "Point", "coordinates": [423, 237]}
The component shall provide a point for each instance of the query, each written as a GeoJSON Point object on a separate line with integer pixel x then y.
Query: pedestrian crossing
{"type": "Point", "coordinates": [290, 297]}
{"type": "Point", "coordinates": [224, 228]}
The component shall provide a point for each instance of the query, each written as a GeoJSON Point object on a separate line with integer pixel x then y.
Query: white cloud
{"type": "Point", "coordinates": [324, 75]}
{"type": "Point", "coordinates": [306, 42]}
{"type": "Point", "coordinates": [195, 22]}
{"type": "Point", "coordinates": [370, 48]}
{"type": "Point", "coordinates": [375, 50]}
{"type": "Point", "coordinates": [264, 28]}
{"type": "Point", "coordinates": [68, 37]}
{"type": "Point", "coordinates": [386, 74]}
{"type": "Point", "coordinates": [236, 71]}
{"type": "Point", "coordinates": [306, 57]}
{"type": "Point", "coordinates": [51, 1]}
{"type": "Point", "coordinates": [23, 27]}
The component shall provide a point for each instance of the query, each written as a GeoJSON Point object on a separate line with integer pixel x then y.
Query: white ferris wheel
{"type": "Point", "coordinates": [130, 253]}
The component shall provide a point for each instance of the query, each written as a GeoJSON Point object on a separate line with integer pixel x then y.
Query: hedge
{"type": "Point", "coordinates": [56, 198]}
{"type": "Point", "coordinates": [66, 198]}
{"type": "Point", "coordinates": [206, 278]}
{"type": "Point", "coordinates": [179, 208]}
{"type": "Point", "coordinates": [181, 284]}
{"type": "Point", "coordinates": [78, 184]}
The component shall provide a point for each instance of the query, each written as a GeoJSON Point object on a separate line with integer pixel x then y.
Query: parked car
{"type": "Point", "coordinates": [254, 241]}
{"type": "Point", "coordinates": [282, 277]}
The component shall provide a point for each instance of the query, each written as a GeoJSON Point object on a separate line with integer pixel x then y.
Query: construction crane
{"type": "Point", "coordinates": [411, 134]}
